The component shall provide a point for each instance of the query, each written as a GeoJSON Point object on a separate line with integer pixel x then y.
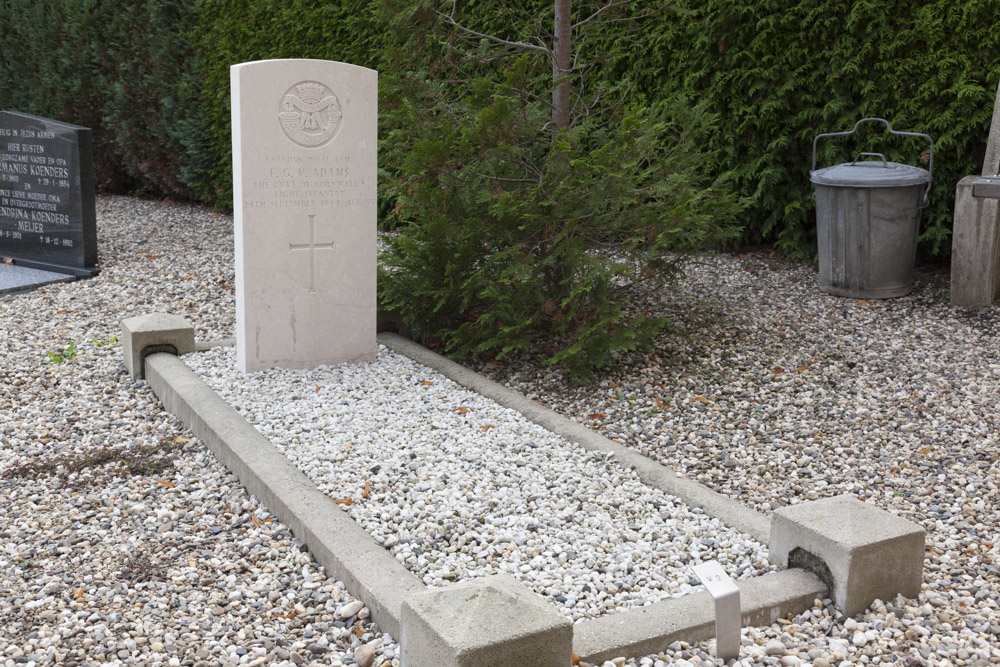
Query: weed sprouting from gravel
{"type": "Point", "coordinates": [139, 568]}
{"type": "Point", "coordinates": [101, 463]}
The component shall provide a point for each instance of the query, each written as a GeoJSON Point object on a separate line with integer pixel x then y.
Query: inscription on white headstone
{"type": "Point", "coordinates": [304, 200]}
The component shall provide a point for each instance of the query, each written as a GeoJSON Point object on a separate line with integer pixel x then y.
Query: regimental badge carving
{"type": "Point", "coordinates": [310, 114]}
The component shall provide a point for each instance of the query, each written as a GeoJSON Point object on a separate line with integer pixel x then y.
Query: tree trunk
{"type": "Point", "coordinates": [561, 63]}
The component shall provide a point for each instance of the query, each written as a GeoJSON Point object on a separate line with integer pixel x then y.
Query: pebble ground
{"type": "Point", "coordinates": [125, 542]}
{"type": "Point", "coordinates": [456, 486]}
{"type": "Point", "coordinates": [781, 394]}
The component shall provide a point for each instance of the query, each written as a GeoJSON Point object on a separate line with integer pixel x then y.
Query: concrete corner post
{"type": "Point", "coordinates": [862, 552]}
{"type": "Point", "coordinates": [489, 622]}
{"type": "Point", "coordinates": [143, 335]}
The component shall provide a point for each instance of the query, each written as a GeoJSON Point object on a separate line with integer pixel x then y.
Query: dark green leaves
{"type": "Point", "coordinates": [511, 242]}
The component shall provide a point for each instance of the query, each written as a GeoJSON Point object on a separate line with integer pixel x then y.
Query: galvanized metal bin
{"type": "Point", "coordinates": [867, 219]}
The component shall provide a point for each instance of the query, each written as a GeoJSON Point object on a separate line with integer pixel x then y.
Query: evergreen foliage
{"type": "Point", "coordinates": [126, 70]}
{"type": "Point", "coordinates": [509, 241]}
{"type": "Point", "coordinates": [151, 79]}
{"type": "Point", "coordinates": [236, 31]}
{"type": "Point", "coordinates": [781, 71]}
{"type": "Point", "coordinates": [50, 65]}
{"type": "Point", "coordinates": [152, 106]}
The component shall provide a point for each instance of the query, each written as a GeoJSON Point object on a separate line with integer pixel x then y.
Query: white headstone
{"type": "Point", "coordinates": [304, 191]}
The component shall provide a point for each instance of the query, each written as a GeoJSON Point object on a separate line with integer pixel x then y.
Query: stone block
{"type": "Point", "coordinates": [391, 321]}
{"type": "Point", "coordinates": [975, 247]}
{"type": "Point", "coordinates": [987, 186]}
{"type": "Point", "coordinates": [489, 622]}
{"type": "Point", "coordinates": [862, 552]}
{"type": "Point", "coordinates": [143, 335]}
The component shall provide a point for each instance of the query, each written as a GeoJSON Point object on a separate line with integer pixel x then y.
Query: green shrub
{"type": "Point", "coordinates": [123, 69]}
{"type": "Point", "coordinates": [152, 110]}
{"type": "Point", "coordinates": [50, 65]}
{"type": "Point", "coordinates": [151, 79]}
{"type": "Point", "coordinates": [511, 242]}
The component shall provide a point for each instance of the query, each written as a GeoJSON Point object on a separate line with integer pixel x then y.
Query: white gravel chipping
{"type": "Point", "coordinates": [123, 541]}
{"type": "Point", "coordinates": [460, 487]}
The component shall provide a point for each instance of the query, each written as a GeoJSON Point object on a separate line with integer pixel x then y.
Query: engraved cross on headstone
{"type": "Point", "coordinates": [312, 247]}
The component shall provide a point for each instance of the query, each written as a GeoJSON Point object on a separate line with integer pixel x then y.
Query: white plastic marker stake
{"type": "Point", "coordinates": [726, 594]}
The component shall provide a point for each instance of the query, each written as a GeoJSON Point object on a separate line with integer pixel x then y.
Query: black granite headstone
{"type": "Point", "coordinates": [47, 216]}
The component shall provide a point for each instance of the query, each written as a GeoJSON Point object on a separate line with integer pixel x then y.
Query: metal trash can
{"type": "Point", "coordinates": [867, 219]}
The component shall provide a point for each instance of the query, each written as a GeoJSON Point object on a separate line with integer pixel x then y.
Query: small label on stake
{"type": "Point", "coordinates": [726, 594]}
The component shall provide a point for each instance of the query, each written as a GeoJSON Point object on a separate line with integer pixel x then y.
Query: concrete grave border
{"type": "Point", "coordinates": [337, 542]}
{"type": "Point", "coordinates": [371, 573]}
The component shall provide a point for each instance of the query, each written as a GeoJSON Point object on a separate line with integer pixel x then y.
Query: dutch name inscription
{"type": "Point", "coordinates": [47, 213]}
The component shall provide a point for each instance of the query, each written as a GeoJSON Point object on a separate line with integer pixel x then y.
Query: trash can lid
{"type": "Point", "coordinates": [870, 174]}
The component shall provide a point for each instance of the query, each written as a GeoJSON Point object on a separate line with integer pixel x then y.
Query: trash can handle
{"type": "Point", "coordinates": [885, 163]}
{"type": "Point", "coordinates": [888, 127]}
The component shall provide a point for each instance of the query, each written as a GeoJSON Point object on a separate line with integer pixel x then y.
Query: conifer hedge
{"type": "Point", "coordinates": [781, 71]}
{"type": "Point", "coordinates": [127, 70]}
{"type": "Point", "coordinates": [151, 79]}
{"type": "Point", "coordinates": [50, 65]}
{"type": "Point", "coordinates": [235, 31]}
